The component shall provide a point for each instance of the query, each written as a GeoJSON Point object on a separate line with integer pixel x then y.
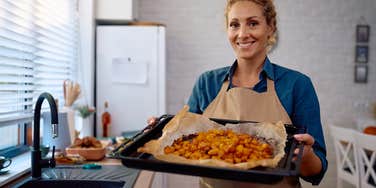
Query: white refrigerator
{"type": "Point", "coordinates": [130, 75]}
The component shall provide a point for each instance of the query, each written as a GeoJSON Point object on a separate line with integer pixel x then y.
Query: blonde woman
{"type": "Point", "coordinates": [253, 88]}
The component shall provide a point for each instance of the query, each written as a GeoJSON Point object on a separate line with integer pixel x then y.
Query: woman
{"type": "Point", "coordinates": [255, 89]}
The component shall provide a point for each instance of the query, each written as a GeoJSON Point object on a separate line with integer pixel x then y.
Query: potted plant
{"type": "Point", "coordinates": [83, 123]}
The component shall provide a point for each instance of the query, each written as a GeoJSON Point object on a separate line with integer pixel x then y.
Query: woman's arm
{"type": "Point", "coordinates": [306, 113]}
{"type": "Point", "coordinates": [311, 163]}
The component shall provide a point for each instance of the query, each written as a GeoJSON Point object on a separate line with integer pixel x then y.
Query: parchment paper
{"type": "Point", "coordinates": [186, 123]}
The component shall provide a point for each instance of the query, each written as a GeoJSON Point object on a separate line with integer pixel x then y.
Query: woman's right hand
{"type": "Point", "coordinates": [152, 121]}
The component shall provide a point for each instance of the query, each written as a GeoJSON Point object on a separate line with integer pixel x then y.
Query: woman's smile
{"type": "Point", "coordinates": [245, 44]}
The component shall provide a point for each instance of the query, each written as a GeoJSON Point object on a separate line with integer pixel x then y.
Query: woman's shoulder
{"type": "Point", "coordinates": [218, 74]}
{"type": "Point", "coordinates": [284, 73]}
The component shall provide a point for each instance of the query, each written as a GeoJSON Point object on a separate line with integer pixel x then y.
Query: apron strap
{"type": "Point", "coordinates": [270, 86]}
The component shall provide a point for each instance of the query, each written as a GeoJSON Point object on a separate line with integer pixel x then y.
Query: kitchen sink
{"type": "Point", "coordinates": [72, 184]}
{"type": "Point", "coordinates": [74, 176]}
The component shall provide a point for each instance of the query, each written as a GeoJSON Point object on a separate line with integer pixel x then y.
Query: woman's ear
{"type": "Point", "coordinates": [271, 31]}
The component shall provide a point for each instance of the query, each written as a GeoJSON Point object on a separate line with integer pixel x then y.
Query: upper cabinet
{"type": "Point", "coordinates": [116, 10]}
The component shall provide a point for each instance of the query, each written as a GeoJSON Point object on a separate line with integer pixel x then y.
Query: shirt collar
{"type": "Point", "coordinates": [267, 70]}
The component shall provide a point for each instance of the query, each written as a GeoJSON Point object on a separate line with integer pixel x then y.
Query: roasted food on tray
{"type": "Point", "coordinates": [191, 138]}
{"type": "Point", "coordinates": [222, 145]}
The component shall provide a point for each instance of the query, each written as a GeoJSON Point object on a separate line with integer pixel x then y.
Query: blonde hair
{"type": "Point", "coordinates": [269, 13]}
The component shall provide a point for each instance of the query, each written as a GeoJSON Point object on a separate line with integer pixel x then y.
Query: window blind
{"type": "Point", "coordinates": [38, 51]}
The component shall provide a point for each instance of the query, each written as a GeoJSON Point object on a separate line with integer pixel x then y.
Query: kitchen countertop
{"type": "Point", "coordinates": [16, 171]}
{"type": "Point", "coordinates": [115, 173]}
{"type": "Point", "coordinates": [112, 169]}
{"type": "Point", "coordinates": [144, 178]}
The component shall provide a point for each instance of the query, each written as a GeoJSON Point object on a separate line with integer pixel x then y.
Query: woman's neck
{"type": "Point", "coordinates": [247, 72]}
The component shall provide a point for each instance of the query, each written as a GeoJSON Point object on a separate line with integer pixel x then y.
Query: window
{"type": "Point", "coordinates": [38, 51]}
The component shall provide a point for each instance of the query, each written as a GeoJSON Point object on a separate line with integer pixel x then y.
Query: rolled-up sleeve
{"type": "Point", "coordinates": [307, 113]}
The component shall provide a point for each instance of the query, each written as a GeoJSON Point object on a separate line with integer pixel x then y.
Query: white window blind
{"type": "Point", "coordinates": [38, 51]}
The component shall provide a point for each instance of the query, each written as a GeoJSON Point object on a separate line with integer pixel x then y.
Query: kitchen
{"type": "Point", "coordinates": [317, 38]}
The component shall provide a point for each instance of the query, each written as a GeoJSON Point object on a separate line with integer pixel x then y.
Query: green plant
{"type": "Point", "coordinates": [85, 111]}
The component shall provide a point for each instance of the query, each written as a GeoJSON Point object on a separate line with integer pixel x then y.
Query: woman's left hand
{"type": "Point", "coordinates": [310, 164]}
{"type": "Point", "coordinates": [308, 141]}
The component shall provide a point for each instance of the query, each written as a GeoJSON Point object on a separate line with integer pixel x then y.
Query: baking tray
{"type": "Point", "coordinates": [286, 167]}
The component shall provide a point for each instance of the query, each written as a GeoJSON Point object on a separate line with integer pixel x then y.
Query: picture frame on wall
{"type": "Point", "coordinates": [362, 33]}
{"type": "Point", "coordinates": [361, 73]}
{"type": "Point", "coordinates": [361, 54]}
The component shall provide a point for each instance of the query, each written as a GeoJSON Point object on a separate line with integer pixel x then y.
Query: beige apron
{"type": "Point", "coordinates": [245, 104]}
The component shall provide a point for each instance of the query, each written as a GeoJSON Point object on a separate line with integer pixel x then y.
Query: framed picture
{"type": "Point", "coordinates": [361, 73]}
{"type": "Point", "coordinates": [361, 54]}
{"type": "Point", "coordinates": [362, 33]}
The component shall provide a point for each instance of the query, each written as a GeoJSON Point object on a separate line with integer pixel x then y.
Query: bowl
{"type": "Point", "coordinates": [371, 129]}
{"type": "Point", "coordinates": [91, 154]}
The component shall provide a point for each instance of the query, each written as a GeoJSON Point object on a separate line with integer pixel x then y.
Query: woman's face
{"type": "Point", "coordinates": [247, 30]}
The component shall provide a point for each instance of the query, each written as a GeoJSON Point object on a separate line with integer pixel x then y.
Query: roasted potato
{"type": "Point", "coordinates": [223, 145]}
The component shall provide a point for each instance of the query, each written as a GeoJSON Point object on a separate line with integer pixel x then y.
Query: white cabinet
{"type": "Point", "coordinates": [116, 9]}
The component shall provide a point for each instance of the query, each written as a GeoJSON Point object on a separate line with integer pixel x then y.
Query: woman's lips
{"type": "Point", "coordinates": [245, 44]}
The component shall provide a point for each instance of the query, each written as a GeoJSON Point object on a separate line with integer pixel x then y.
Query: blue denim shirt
{"type": "Point", "coordinates": [294, 89]}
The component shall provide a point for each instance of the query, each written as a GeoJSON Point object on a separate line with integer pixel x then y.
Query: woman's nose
{"type": "Point", "coordinates": [244, 32]}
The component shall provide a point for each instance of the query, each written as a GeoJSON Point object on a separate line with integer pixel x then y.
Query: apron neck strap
{"type": "Point", "coordinates": [225, 86]}
{"type": "Point", "coordinates": [270, 85]}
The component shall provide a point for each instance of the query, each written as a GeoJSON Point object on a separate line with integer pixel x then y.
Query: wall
{"type": "Point", "coordinates": [194, 43]}
{"type": "Point", "coordinates": [86, 64]}
{"type": "Point", "coordinates": [321, 43]}
{"type": "Point", "coordinates": [317, 37]}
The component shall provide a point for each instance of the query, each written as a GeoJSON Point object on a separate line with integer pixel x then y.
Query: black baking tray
{"type": "Point", "coordinates": [286, 167]}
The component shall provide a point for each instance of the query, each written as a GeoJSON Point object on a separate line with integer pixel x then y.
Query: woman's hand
{"type": "Point", "coordinates": [311, 164]}
{"type": "Point", "coordinates": [152, 121]}
{"type": "Point", "coordinates": [308, 141]}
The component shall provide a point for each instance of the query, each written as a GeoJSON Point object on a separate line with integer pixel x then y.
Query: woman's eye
{"type": "Point", "coordinates": [234, 25]}
{"type": "Point", "coordinates": [253, 24]}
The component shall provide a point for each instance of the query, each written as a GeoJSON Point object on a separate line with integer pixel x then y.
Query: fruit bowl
{"type": "Point", "coordinates": [91, 154]}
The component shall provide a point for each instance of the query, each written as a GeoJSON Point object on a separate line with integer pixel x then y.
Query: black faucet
{"type": "Point", "coordinates": [37, 163]}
